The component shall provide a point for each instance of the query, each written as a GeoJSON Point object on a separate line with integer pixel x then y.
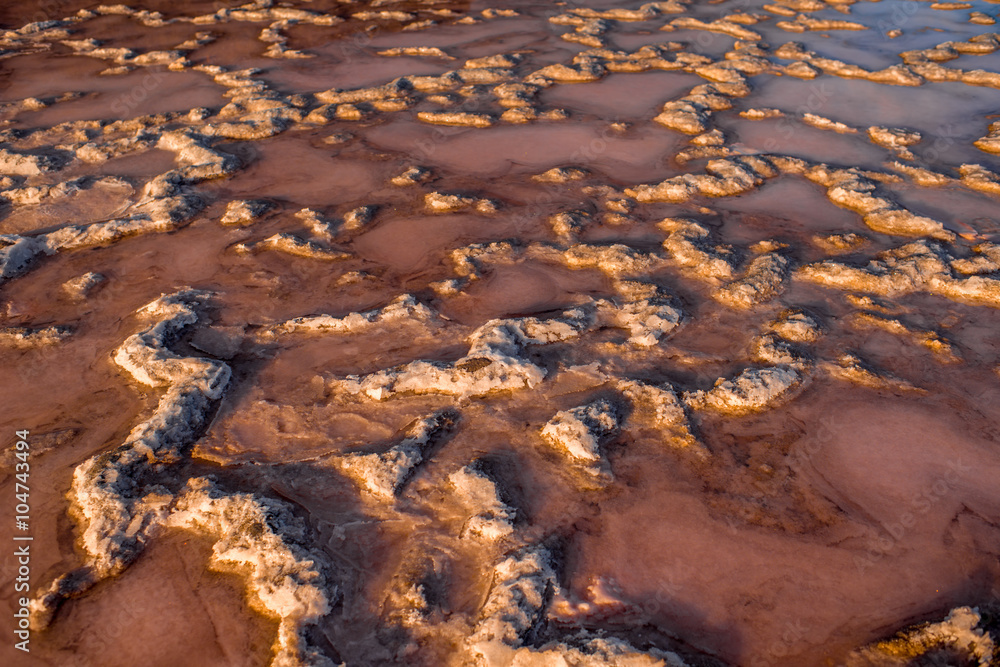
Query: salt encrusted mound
{"type": "Point", "coordinates": [412, 176]}
{"type": "Point", "coordinates": [959, 639]}
{"type": "Point", "coordinates": [752, 390]}
{"type": "Point", "coordinates": [437, 202]}
{"type": "Point", "coordinates": [16, 255]}
{"type": "Point", "coordinates": [768, 348]}
{"type": "Point", "coordinates": [245, 211]}
{"type": "Point", "coordinates": [402, 309]}
{"type": "Point", "coordinates": [146, 356]}
{"type": "Point", "coordinates": [523, 584]}
{"type": "Point", "coordinates": [359, 217]}
{"type": "Point", "coordinates": [580, 431]}
{"type": "Point", "coordinates": [915, 267]}
{"type": "Point", "coordinates": [495, 361]}
{"type": "Point", "coordinates": [762, 281]}
{"type": "Point", "coordinates": [292, 245]}
{"type": "Point", "coordinates": [850, 368]}
{"type": "Point", "coordinates": [687, 245]}
{"type": "Point", "coordinates": [659, 406]}
{"type": "Point", "coordinates": [566, 224]}
{"type": "Point", "coordinates": [795, 326]}
{"type": "Point", "coordinates": [493, 518]}
{"type": "Point", "coordinates": [108, 489]}
{"type": "Point", "coordinates": [117, 498]}
{"type": "Point", "coordinates": [384, 475]}
{"type": "Point", "coordinates": [21, 337]}
{"type": "Point", "coordinates": [262, 539]}
{"type": "Point", "coordinates": [81, 287]}
{"type": "Point", "coordinates": [646, 312]}
{"type": "Point", "coordinates": [522, 588]}
{"type": "Point", "coordinates": [560, 175]}
{"type": "Point", "coordinates": [615, 259]}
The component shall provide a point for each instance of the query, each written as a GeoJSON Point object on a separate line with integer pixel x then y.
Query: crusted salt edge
{"type": "Point", "coordinates": [495, 361]}
{"type": "Point", "coordinates": [523, 584]}
{"type": "Point", "coordinates": [850, 368]}
{"type": "Point", "coordinates": [660, 406]}
{"type": "Point", "coordinates": [687, 245]}
{"type": "Point", "coordinates": [18, 253]}
{"type": "Point", "coordinates": [762, 281]}
{"type": "Point", "coordinates": [245, 211]}
{"type": "Point", "coordinates": [753, 390]}
{"type": "Point", "coordinates": [580, 431]}
{"type": "Point", "coordinates": [945, 351]}
{"type": "Point", "coordinates": [795, 326]}
{"type": "Point", "coordinates": [104, 490]}
{"type": "Point", "coordinates": [437, 202]}
{"type": "Point", "coordinates": [647, 312]}
{"type": "Point", "coordinates": [402, 309]}
{"type": "Point", "coordinates": [122, 508]}
{"type": "Point", "coordinates": [261, 539]}
{"type": "Point", "coordinates": [292, 245]}
{"type": "Point", "coordinates": [848, 188]}
{"type": "Point", "coordinates": [82, 286]}
{"type": "Point", "coordinates": [384, 475]}
{"type": "Point", "coordinates": [493, 518]}
{"type": "Point", "coordinates": [962, 633]}
{"type": "Point", "coordinates": [920, 266]}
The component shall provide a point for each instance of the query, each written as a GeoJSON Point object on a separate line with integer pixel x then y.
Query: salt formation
{"type": "Point", "coordinates": [293, 245]}
{"type": "Point", "coordinates": [384, 475]}
{"type": "Point", "coordinates": [851, 368]}
{"type": "Point", "coordinates": [795, 326]}
{"type": "Point", "coordinates": [20, 337]}
{"type": "Point", "coordinates": [437, 202]}
{"type": "Point", "coordinates": [661, 407]}
{"type": "Point", "coordinates": [762, 281]}
{"type": "Point", "coordinates": [715, 175]}
{"type": "Point", "coordinates": [960, 636]}
{"type": "Point", "coordinates": [647, 313]}
{"type": "Point", "coordinates": [493, 518]}
{"type": "Point", "coordinates": [120, 502]}
{"type": "Point", "coordinates": [687, 244]}
{"type": "Point", "coordinates": [496, 361]}
{"type": "Point", "coordinates": [244, 211]}
{"type": "Point", "coordinates": [750, 391]}
{"type": "Point", "coordinates": [402, 309]}
{"type": "Point", "coordinates": [522, 587]}
{"type": "Point", "coordinates": [579, 431]}
{"type": "Point", "coordinates": [914, 267]}
{"type": "Point", "coordinates": [81, 287]}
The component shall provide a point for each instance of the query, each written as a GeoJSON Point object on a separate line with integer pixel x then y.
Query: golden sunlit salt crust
{"type": "Point", "coordinates": [121, 506]}
{"type": "Point", "coordinates": [648, 279]}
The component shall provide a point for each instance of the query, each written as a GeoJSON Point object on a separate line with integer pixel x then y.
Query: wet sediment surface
{"type": "Point", "coordinates": [447, 333]}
